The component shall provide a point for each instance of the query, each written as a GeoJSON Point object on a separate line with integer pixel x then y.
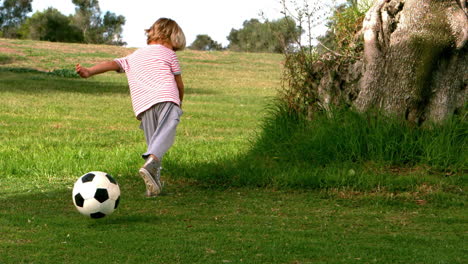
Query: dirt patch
{"type": "Point", "coordinates": [7, 50]}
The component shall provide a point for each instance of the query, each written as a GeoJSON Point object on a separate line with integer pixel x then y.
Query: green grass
{"type": "Point", "coordinates": [365, 151]}
{"type": "Point", "coordinates": [54, 129]}
{"type": "Point", "coordinates": [195, 225]}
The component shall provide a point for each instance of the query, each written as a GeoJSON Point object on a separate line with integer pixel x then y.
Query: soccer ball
{"type": "Point", "coordinates": [96, 194]}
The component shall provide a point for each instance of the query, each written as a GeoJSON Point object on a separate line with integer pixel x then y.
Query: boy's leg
{"type": "Point", "coordinates": [159, 124]}
{"type": "Point", "coordinates": [160, 131]}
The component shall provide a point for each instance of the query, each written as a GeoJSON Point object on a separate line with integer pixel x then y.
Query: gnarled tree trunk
{"type": "Point", "coordinates": [415, 61]}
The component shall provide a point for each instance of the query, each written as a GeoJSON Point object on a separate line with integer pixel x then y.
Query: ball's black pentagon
{"type": "Point", "coordinates": [88, 177]}
{"type": "Point", "coordinates": [97, 215]}
{"type": "Point", "coordinates": [111, 179]}
{"type": "Point", "coordinates": [79, 201]}
{"type": "Point", "coordinates": [101, 195]}
{"type": "Point", "coordinates": [117, 203]}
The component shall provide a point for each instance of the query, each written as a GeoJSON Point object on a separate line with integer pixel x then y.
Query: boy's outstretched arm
{"type": "Point", "coordinates": [97, 69]}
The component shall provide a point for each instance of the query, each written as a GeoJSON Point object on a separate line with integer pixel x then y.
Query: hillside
{"type": "Point", "coordinates": [203, 68]}
{"type": "Point", "coordinates": [226, 95]}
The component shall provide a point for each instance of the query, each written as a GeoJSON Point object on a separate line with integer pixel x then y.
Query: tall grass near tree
{"type": "Point", "coordinates": [342, 148]}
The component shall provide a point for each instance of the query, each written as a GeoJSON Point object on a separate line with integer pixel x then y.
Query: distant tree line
{"type": "Point", "coordinates": [255, 36]}
{"type": "Point", "coordinates": [269, 36]}
{"type": "Point", "coordinates": [87, 25]}
{"type": "Point", "coordinates": [90, 25]}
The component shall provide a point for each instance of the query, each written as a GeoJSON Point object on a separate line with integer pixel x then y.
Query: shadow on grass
{"type": "Point", "coordinates": [26, 80]}
{"type": "Point", "coordinates": [349, 151]}
{"type": "Point", "coordinates": [34, 82]}
{"type": "Point", "coordinates": [349, 181]}
{"type": "Point", "coordinates": [56, 208]}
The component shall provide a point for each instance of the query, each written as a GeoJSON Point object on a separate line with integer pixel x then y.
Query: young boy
{"type": "Point", "coordinates": [156, 89]}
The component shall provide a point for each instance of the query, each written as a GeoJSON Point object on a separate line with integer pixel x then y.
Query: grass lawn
{"type": "Point", "coordinates": [54, 129]}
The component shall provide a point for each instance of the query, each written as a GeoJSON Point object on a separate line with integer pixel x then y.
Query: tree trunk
{"type": "Point", "coordinates": [415, 61]}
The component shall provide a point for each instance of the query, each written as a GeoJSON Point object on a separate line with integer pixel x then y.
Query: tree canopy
{"type": "Point", "coordinates": [268, 36]}
{"type": "Point", "coordinates": [12, 14]}
{"type": "Point", "coordinates": [96, 28]}
{"type": "Point", "coordinates": [87, 25]}
{"type": "Point", "coordinates": [51, 25]}
{"type": "Point", "coordinates": [205, 42]}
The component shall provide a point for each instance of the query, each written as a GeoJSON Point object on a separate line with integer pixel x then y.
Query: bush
{"type": "Point", "coordinates": [66, 73]}
{"type": "Point", "coordinates": [309, 77]}
{"type": "Point", "coordinates": [51, 25]}
{"type": "Point", "coordinates": [205, 42]}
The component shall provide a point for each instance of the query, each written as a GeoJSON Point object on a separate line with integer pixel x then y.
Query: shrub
{"type": "Point", "coordinates": [306, 66]}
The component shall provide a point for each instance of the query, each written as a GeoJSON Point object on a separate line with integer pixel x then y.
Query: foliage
{"type": "Point", "coordinates": [299, 86]}
{"type": "Point", "coordinates": [205, 42]}
{"type": "Point", "coordinates": [343, 26]}
{"type": "Point", "coordinates": [307, 66]}
{"type": "Point", "coordinates": [269, 36]}
{"type": "Point", "coordinates": [88, 18]}
{"type": "Point", "coordinates": [51, 25]}
{"type": "Point", "coordinates": [66, 73]}
{"type": "Point", "coordinates": [112, 29]}
{"type": "Point", "coordinates": [87, 25]}
{"type": "Point", "coordinates": [12, 15]}
{"type": "Point", "coordinates": [97, 29]}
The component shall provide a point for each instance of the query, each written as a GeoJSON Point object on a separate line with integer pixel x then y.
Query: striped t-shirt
{"type": "Point", "coordinates": [150, 72]}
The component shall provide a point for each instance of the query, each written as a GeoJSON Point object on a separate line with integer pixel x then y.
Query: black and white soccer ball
{"type": "Point", "coordinates": [96, 194]}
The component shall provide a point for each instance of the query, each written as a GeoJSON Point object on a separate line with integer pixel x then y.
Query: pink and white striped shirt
{"type": "Point", "coordinates": [150, 72]}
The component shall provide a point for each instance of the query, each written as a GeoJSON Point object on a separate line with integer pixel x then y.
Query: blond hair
{"type": "Point", "coordinates": [166, 30]}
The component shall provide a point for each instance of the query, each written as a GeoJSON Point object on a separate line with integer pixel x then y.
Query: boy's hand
{"type": "Point", "coordinates": [82, 71]}
{"type": "Point", "coordinates": [99, 68]}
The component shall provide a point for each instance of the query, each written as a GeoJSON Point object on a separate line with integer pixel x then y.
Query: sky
{"type": "Point", "coordinates": [215, 18]}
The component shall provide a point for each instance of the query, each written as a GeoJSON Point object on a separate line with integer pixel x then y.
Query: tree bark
{"type": "Point", "coordinates": [415, 61]}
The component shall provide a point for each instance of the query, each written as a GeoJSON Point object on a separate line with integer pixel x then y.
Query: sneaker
{"type": "Point", "coordinates": [157, 179]}
{"type": "Point", "coordinates": [151, 174]}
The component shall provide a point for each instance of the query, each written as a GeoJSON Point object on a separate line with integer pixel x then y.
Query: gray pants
{"type": "Point", "coordinates": [159, 124]}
